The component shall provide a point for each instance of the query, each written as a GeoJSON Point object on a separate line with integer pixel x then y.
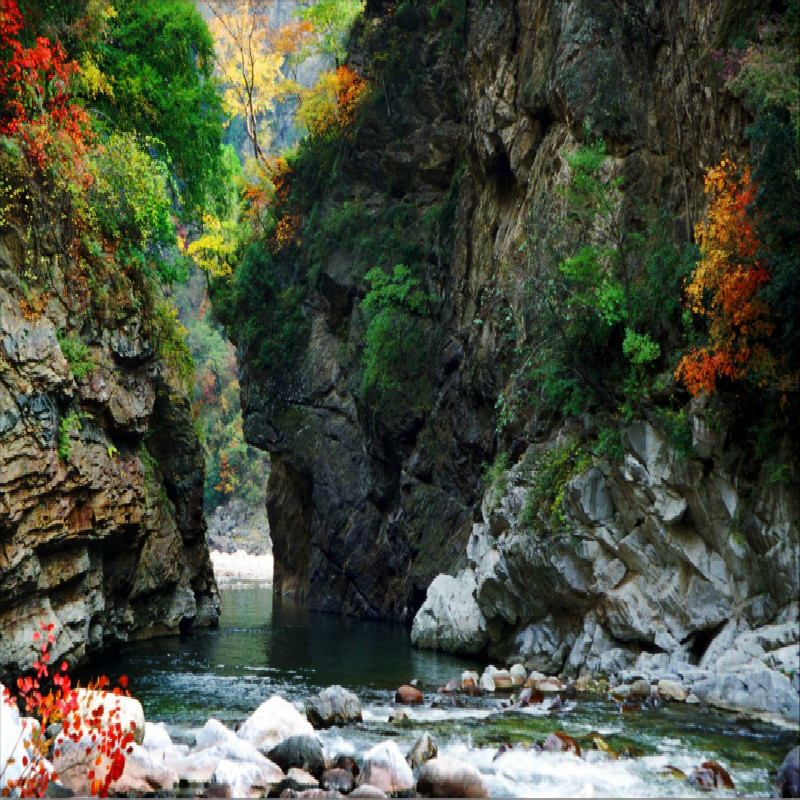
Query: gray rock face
{"type": "Point", "coordinates": [637, 573]}
{"type": "Point", "coordinates": [105, 538]}
{"type": "Point", "coordinates": [236, 526]}
{"type": "Point", "coordinates": [333, 706]}
{"type": "Point", "coordinates": [450, 619]}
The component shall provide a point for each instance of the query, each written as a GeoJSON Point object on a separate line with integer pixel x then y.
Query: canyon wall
{"type": "Point", "coordinates": [101, 479]}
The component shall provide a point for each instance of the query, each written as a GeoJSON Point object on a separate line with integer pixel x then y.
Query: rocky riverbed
{"type": "Point", "coordinates": [499, 733]}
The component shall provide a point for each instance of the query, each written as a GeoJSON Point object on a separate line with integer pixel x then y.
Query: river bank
{"type": "Point", "coordinates": [269, 646]}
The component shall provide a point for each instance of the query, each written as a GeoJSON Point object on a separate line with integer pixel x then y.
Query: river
{"type": "Point", "coordinates": [268, 645]}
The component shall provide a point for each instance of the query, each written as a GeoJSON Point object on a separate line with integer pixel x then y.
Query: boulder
{"type": "Point", "coordinates": [518, 674]}
{"type": "Point", "coordinates": [672, 690]}
{"type": "Point", "coordinates": [424, 749]}
{"type": "Point", "coordinates": [450, 618]}
{"type": "Point", "coordinates": [486, 682]}
{"type": "Point", "coordinates": [469, 679]}
{"type": "Point", "coordinates": [246, 778]}
{"type": "Point", "coordinates": [408, 695]}
{"type": "Point", "coordinates": [337, 780]}
{"type": "Point", "coordinates": [503, 682]}
{"type": "Point", "coordinates": [125, 710]}
{"type": "Point", "coordinates": [333, 706]}
{"type": "Point", "coordinates": [640, 688]}
{"type": "Point", "coordinates": [156, 737]}
{"type": "Point", "coordinates": [561, 743]}
{"type": "Point", "coordinates": [449, 777]}
{"type": "Point", "coordinates": [272, 722]}
{"type": "Point", "coordinates": [385, 768]}
{"type": "Point", "coordinates": [213, 733]}
{"type": "Point", "coordinates": [12, 740]}
{"type": "Point", "coordinates": [347, 762]}
{"type": "Point", "coordinates": [788, 780]}
{"type": "Point", "coordinates": [551, 685]}
{"type": "Point", "coordinates": [304, 752]}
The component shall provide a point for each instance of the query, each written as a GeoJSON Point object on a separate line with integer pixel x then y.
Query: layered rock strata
{"type": "Point", "coordinates": [101, 484]}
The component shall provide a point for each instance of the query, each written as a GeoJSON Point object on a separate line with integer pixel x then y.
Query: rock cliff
{"type": "Point", "coordinates": [369, 499]}
{"type": "Point", "coordinates": [101, 481]}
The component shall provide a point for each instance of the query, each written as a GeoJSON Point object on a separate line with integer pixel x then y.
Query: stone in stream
{"type": "Point", "coordinates": [303, 779]}
{"type": "Point", "coordinates": [299, 751]}
{"type": "Point", "coordinates": [424, 749]}
{"type": "Point", "coordinates": [273, 721]}
{"type": "Point", "coordinates": [672, 690]}
{"type": "Point", "coordinates": [247, 778]}
{"type": "Point", "coordinates": [446, 701]}
{"type": "Point", "coordinates": [469, 679]}
{"type": "Point", "coordinates": [156, 737]}
{"type": "Point", "coordinates": [385, 767]}
{"type": "Point", "coordinates": [559, 742]}
{"type": "Point", "coordinates": [408, 695]}
{"type": "Point", "coordinates": [711, 775]}
{"type": "Point", "coordinates": [213, 733]}
{"type": "Point", "coordinates": [111, 709]}
{"type": "Point", "coordinates": [346, 762]}
{"type": "Point", "coordinates": [338, 780]}
{"type": "Point", "coordinates": [640, 688]}
{"type": "Point", "coordinates": [503, 682]}
{"type": "Point", "coordinates": [333, 706]}
{"type": "Point", "coordinates": [519, 674]}
{"type": "Point", "coordinates": [449, 777]}
{"type": "Point", "coordinates": [788, 781]}
{"type": "Point", "coordinates": [486, 682]}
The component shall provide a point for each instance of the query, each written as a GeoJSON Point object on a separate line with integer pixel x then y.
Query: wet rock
{"type": "Point", "coordinates": [304, 752]}
{"type": "Point", "coordinates": [503, 682]}
{"type": "Point", "coordinates": [348, 763]}
{"type": "Point", "coordinates": [385, 768]}
{"type": "Point", "coordinates": [424, 749]}
{"type": "Point", "coordinates": [518, 674]}
{"type": "Point", "coordinates": [214, 733]}
{"type": "Point", "coordinates": [337, 779]}
{"type": "Point", "coordinates": [788, 781]}
{"type": "Point", "coordinates": [529, 697]}
{"type": "Point", "coordinates": [711, 775]}
{"type": "Point", "coordinates": [333, 706]}
{"type": "Point", "coordinates": [559, 742]}
{"type": "Point", "coordinates": [446, 701]}
{"type": "Point", "coordinates": [486, 683]}
{"type": "Point", "coordinates": [273, 721]}
{"type": "Point", "coordinates": [551, 685]}
{"type": "Point", "coordinates": [672, 690]}
{"type": "Point", "coordinates": [640, 688]}
{"type": "Point", "coordinates": [449, 777]}
{"type": "Point", "coordinates": [692, 699]}
{"type": "Point", "coordinates": [408, 695]}
{"type": "Point", "coordinates": [452, 685]}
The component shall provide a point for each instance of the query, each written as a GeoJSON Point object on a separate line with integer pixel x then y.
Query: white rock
{"type": "Point", "coordinates": [673, 690]}
{"type": "Point", "coordinates": [272, 722]}
{"type": "Point", "coordinates": [469, 675]}
{"type": "Point", "coordinates": [115, 709]}
{"type": "Point", "coordinates": [486, 682]}
{"type": "Point", "coordinates": [386, 768]}
{"type": "Point", "coordinates": [246, 778]}
{"type": "Point", "coordinates": [214, 733]}
{"type": "Point", "coordinates": [156, 737]}
{"type": "Point", "coordinates": [449, 777]}
{"type": "Point", "coordinates": [12, 740]}
{"type": "Point", "coordinates": [519, 674]}
{"type": "Point", "coordinates": [450, 618]}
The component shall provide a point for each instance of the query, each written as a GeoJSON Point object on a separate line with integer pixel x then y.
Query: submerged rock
{"type": "Point", "coordinates": [711, 775]}
{"type": "Point", "coordinates": [333, 706]}
{"type": "Point", "coordinates": [449, 777]}
{"type": "Point", "coordinates": [559, 742]}
{"type": "Point", "coordinates": [338, 779]}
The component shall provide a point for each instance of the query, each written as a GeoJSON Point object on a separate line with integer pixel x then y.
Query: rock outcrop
{"type": "Point", "coordinates": [667, 572]}
{"type": "Point", "coordinates": [101, 483]}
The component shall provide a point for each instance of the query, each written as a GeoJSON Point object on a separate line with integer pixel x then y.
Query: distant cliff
{"type": "Point", "coordinates": [101, 478]}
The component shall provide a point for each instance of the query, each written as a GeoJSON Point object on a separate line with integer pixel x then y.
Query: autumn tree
{"type": "Point", "coordinates": [331, 106]}
{"type": "Point", "coordinates": [726, 288]}
{"type": "Point", "coordinates": [250, 55]}
{"type": "Point", "coordinates": [331, 21]}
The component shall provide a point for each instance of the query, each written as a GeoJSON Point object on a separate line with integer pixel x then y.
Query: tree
{"type": "Point", "coordinates": [331, 21]}
{"type": "Point", "coordinates": [331, 106]}
{"type": "Point", "coordinates": [158, 58]}
{"type": "Point", "coordinates": [726, 288]}
{"type": "Point", "coordinates": [250, 55]}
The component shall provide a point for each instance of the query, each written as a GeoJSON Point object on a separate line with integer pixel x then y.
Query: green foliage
{"type": "Point", "coordinates": [494, 478]}
{"type": "Point", "coordinates": [678, 429]}
{"type": "Point", "coordinates": [173, 351]}
{"type": "Point", "coordinates": [332, 21]}
{"type": "Point", "coordinates": [159, 57]}
{"type": "Point", "coordinates": [68, 424]}
{"type": "Point", "coordinates": [551, 472]}
{"type": "Point", "coordinates": [130, 194]}
{"type": "Point", "coordinates": [609, 444]}
{"type": "Point", "coordinates": [396, 341]}
{"type": "Point", "coordinates": [77, 355]}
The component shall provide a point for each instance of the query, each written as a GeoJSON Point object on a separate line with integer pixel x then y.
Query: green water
{"type": "Point", "coordinates": [267, 645]}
